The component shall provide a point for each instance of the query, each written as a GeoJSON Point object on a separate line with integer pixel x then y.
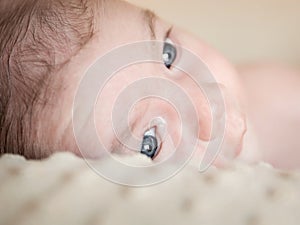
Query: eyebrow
{"type": "Point", "coordinates": [150, 19]}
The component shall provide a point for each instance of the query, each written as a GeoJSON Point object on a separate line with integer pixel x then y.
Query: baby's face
{"type": "Point", "coordinates": [120, 23]}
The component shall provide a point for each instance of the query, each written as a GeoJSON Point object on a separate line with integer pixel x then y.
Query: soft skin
{"type": "Point", "coordinates": [121, 23]}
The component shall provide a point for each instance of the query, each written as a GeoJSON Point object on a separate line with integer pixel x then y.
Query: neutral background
{"type": "Point", "coordinates": [244, 31]}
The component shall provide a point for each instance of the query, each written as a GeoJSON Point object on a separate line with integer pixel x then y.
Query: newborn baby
{"type": "Point", "coordinates": [47, 47]}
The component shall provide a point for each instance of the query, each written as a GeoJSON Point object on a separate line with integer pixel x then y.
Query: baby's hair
{"type": "Point", "coordinates": [37, 38]}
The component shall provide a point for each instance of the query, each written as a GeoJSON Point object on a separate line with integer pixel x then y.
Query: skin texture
{"type": "Point", "coordinates": [273, 109]}
{"type": "Point", "coordinates": [137, 29]}
{"type": "Point", "coordinates": [117, 15]}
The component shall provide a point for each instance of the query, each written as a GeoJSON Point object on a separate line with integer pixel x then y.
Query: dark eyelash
{"type": "Point", "coordinates": [169, 32]}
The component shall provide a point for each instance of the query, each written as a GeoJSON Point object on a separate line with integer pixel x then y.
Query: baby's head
{"type": "Point", "coordinates": [38, 39]}
{"type": "Point", "coordinates": [46, 48]}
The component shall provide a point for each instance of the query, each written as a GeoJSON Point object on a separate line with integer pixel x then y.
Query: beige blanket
{"type": "Point", "coordinates": [64, 190]}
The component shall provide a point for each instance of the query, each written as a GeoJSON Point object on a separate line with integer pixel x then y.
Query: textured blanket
{"type": "Point", "coordinates": [64, 190]}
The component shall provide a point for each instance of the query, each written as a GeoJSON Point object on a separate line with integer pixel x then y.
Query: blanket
{"type": "Point", "coordinates": [65, 190]}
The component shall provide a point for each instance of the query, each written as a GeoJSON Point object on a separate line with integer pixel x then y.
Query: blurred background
{"type": "Point", "coordinates": [242, 30]}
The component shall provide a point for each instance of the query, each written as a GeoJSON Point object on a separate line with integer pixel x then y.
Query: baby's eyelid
{"type": "Point", "coordinates": [160, 140]}
{"type": "Point", "coordinates": [169, 41]}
